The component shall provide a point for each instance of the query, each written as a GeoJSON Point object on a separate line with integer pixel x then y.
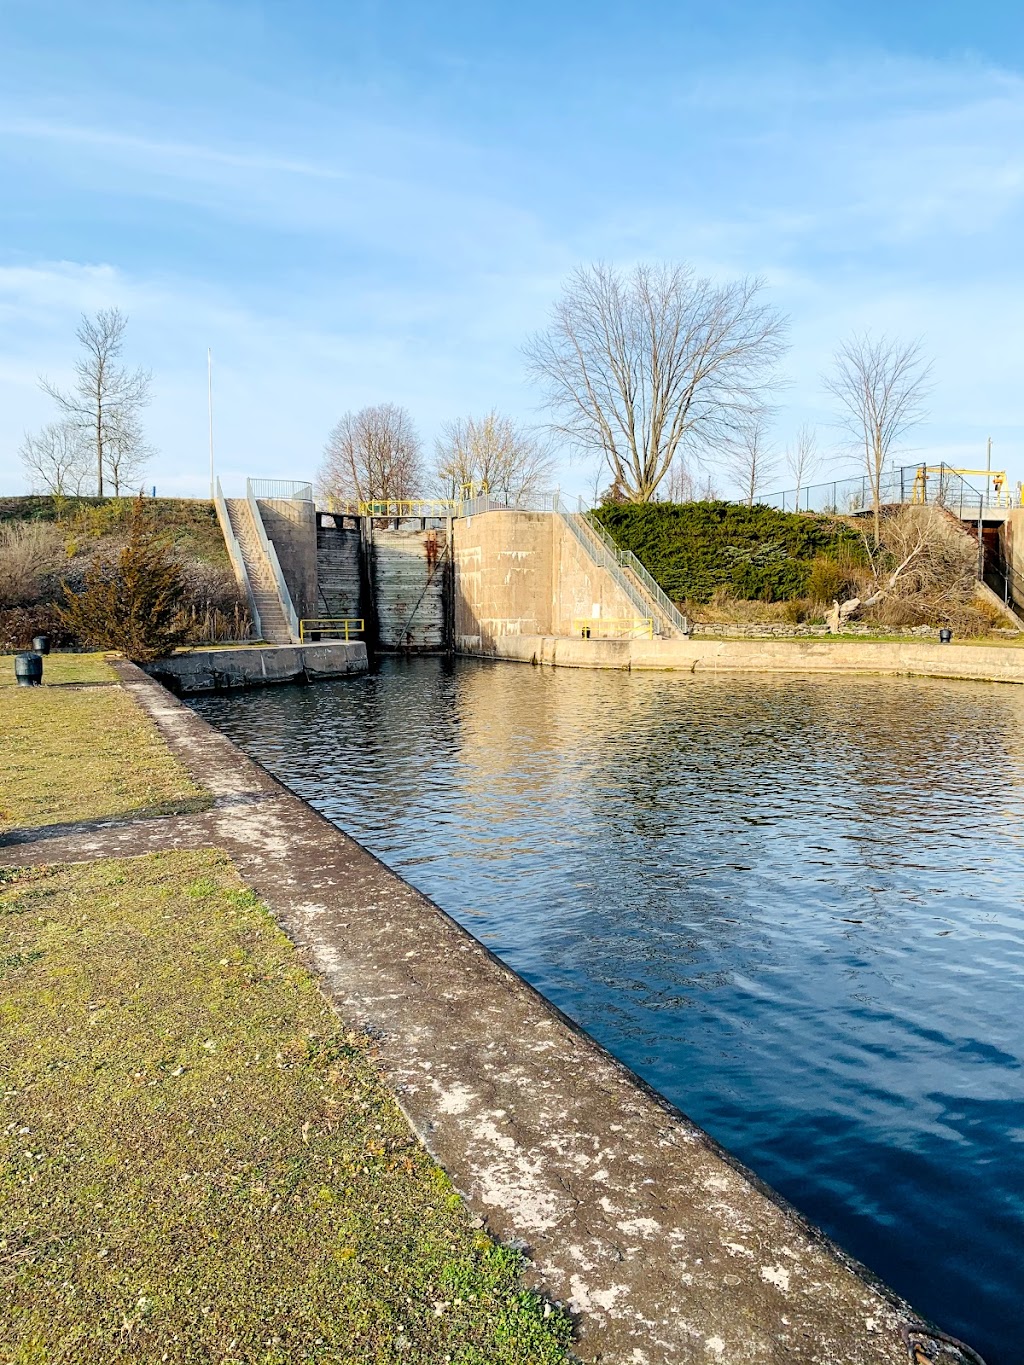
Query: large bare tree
{"type": "Point", "coordinates": [750, 458]}
{"type": "Point", "coordinates": [492, 450]}
{"type": "Point", "coordinates": [56, 459]}
{"type": "Point", "coordinates": [801, 458]}
{"type": "Point", "coordinates": [372, 455]}
{"type": "Point", "coordinates": [107, 399]}
{"type": "Point", "coordinates": [641, 366]}
{"type": "Point", "coordinates": [879, 385]}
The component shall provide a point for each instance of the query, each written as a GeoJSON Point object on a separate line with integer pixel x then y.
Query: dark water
{"type": "Point", "coordinates": [795, 907]}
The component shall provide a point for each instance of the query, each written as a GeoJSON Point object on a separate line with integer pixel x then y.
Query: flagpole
{"type": "Point", "coordinates": [209, 404]}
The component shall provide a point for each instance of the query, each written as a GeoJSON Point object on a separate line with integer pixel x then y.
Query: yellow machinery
{"type": "Point", "coordinates": [996, 495]}
{"type": "Point", "coordinates": [614, 627]}
{"type": "Point", "coordinates": [338, 627]}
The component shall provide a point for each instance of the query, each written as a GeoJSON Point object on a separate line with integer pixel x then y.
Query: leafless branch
{"type": "Point", "coordinates": [494, 450]}
{"type": "Point", "coordinates": [107, 399]}
{"type": "Point", "coordinates": [372, 455]}
{"type": "Point", "coordinates": [880, 385]}
{"type": "Point", "coordinates": [639, 367]}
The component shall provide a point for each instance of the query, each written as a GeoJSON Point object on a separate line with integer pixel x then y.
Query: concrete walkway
{"type": "Point", "coordinates": [665, 1247]}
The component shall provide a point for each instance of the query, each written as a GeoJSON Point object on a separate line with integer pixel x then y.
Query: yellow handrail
{"type": "Point", "coordinates": [344, 626]}
{"type": "Point", "coordinates": [614, 627]}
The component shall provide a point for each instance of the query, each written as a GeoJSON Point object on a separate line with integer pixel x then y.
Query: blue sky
{"type": "Point", "coordinates": [362, 201]}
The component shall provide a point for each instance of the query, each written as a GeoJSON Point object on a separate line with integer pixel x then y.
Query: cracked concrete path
{"type": "Point", "coordinates": [665, 1248]}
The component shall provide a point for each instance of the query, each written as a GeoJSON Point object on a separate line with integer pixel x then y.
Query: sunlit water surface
{"type": "Point", "coordinates": [795, 907]}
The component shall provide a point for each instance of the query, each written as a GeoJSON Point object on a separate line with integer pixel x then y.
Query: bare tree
{"type": "Point", "coordinates": [127, 452]}
{"type": "Point", "coordinates": [801, 459]}
{"type": "Point", "coordinates": [927, 560]}
{"type": "Point", "coordinates": [750, 458]}
{"type": "Point", "coordinates": [372, 455]}
{"type": "Point", "coordinates": [106, 398]}
{"type": "Point", "coordinates": [639, 367]}
{"type": "Point", "coordinates": [56, 459]}
{"type": "Point", "coordinates": [492, 450]}
{"type": "Point", "coordinates": [880, 386]}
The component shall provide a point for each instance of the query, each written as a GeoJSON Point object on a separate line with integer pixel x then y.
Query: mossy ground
{"type": "Point", "coordinates": [83, 753]}
{"type": "Point", "coordinates": [198, 1164]}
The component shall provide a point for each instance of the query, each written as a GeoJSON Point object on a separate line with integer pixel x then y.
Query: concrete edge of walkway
{"type": "Point", "coordinates": [897, 658]}
{"type": "Point", "coordinates": [664, 1245]}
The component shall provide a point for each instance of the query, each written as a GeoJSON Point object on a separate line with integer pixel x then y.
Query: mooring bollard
{"type": "Point", "coordinates": [28, 669]}
{"type": "Point", "coordinates": [945, 635]}
{"type": "Point", "coordinates": [41, 644]}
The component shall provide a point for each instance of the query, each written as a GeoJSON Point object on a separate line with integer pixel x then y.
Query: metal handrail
{"type": "Point", "coordinates": [286, 490]}
{"type": "Point", "coordinates": [400, 508]}
{"type": "Point", "coordinates": [236, 556]}
{"type": "Point", "coordinates": [934, 484]}
{"type": "Point", "coordinates": [347, 626]}
{"type": "Point", "coordinates": [628, 627]}
{"type": "Point", "coordinates": [601, 556]}
{"type": "Point", "coordinates": [674, 617]}
{"type": "Point", "coordinates": [284, 596]}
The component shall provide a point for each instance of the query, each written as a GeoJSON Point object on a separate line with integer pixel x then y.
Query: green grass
{"type": "Point", "coordinates": [60, 669]}
{"type": "Point", "coordinates": [199, 1164]}
{"type": "Point", "coordinates": [87, 753]}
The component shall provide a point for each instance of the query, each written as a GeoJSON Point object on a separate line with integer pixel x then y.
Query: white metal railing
{"type": "Point", "coordinates": [236, 556]}
{"type": "Point", "coordinates": [287, 490]}
{"type": "Point", "coordinates": [603, 557]}
{"type": "Point", "coordinates": [674, 618]}
{"type": "Point", "coordinates": [284, 596]}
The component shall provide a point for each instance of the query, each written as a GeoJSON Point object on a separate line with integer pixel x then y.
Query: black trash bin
{"type": "Point", "coordinates": [41, 644]}
{"type": "Point", "coordinates": [945, 635]}
{"type": "Point", "coordinates": [28, 669]}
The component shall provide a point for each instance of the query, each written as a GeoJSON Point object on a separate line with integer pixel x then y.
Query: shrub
{"type": "Point", "coordinates": [694, 548]}
{"type": "Point", "coordinates": [833, 578]}
{"type": "Point", "coordinates": [18, 625]}
{"type": "Point", "coordinates": [31, 555]}
{"type": "Point", "coordinates": [134, 606]}
{"type": "Point", "coordinates": [213, 607]}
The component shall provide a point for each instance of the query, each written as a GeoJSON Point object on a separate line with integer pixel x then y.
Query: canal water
{"type": "Point", "coordinates": [796, 907]}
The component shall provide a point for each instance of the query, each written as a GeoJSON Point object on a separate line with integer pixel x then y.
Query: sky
{"type": "Point", "coordinates": [359, 201]}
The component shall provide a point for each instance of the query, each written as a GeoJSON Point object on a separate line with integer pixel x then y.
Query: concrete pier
{"type": "Point", "coordinates": [217, 670]}
{"type": "Point", "coordinates": [898, 658]}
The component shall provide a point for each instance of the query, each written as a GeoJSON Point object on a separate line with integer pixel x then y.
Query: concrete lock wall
{"type": "Point", "coordinates": [502, 578]}
{"type": "Point", "coordinates": [291, 525]}
{"type": "Point", "coordinates": [339, 568]}
{"type": "Point", "coordinates": [1012, 538]}
{"type": "Point", "coordinates": [218, 670]}
{"type": "Point", "coordinates": [410, 577]}
{"type": "Point", "coordinates": [526, 574]}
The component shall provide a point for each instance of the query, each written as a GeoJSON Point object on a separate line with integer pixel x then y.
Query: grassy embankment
{"type": "Point", "coordinates": [82, 752]}
{"type": "Point", "coordinates": [198, 1162]}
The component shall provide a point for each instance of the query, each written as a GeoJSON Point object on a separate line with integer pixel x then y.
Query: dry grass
{"type": "Point", "coordinates": [197, 1164]}
{"type": "Point", "coordinates": [84, 753]}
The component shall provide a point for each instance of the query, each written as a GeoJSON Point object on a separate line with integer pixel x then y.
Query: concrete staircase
{"type": "Point", "coordinates": [273, 622]}
{"type": "Point", "coordinates": [633, 578]}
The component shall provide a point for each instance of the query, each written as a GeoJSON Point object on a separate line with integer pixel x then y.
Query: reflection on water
{"type": "Point", "coordinates": [795, 907]}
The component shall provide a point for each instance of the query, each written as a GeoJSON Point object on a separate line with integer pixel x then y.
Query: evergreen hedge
{"type": "Point", "coordinates": [694, 548]}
